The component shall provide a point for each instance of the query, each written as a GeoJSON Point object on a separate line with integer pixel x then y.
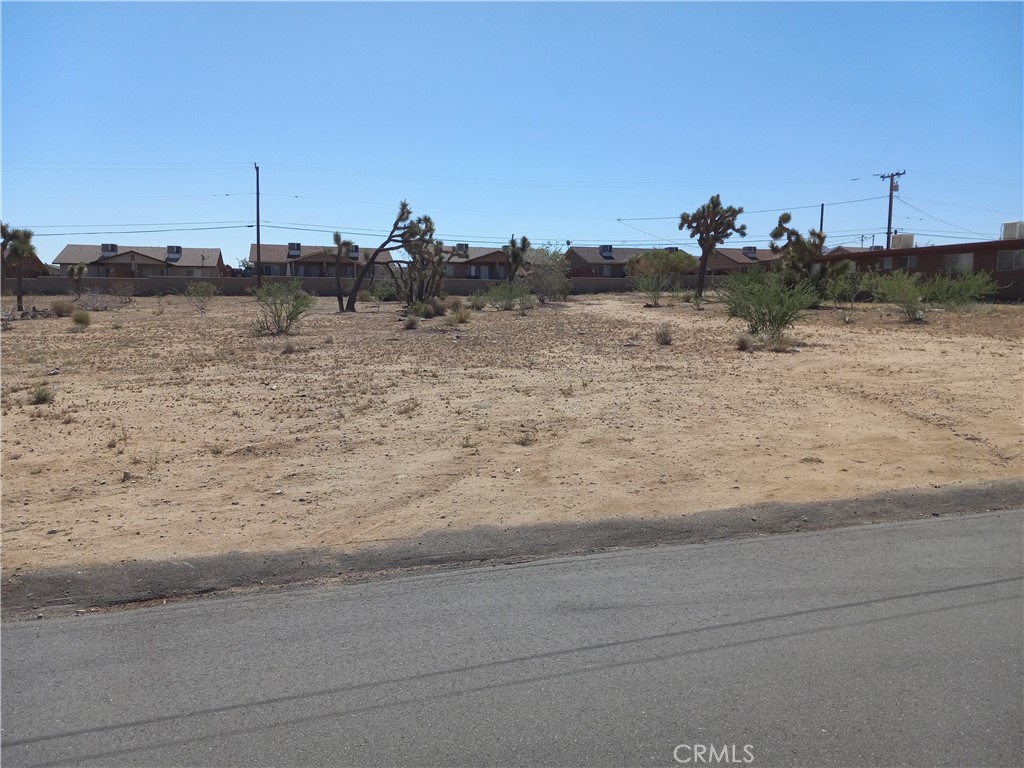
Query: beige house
{"type": "Point", "coordinates": [477, 263]}
{"type": "Point", "coordinates": [110, 260]}
{"type": "Point", "coordinates": [296, 259]}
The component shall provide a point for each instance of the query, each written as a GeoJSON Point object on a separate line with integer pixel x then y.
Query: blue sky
{"type": "Point", "coordinates": [553, 120]}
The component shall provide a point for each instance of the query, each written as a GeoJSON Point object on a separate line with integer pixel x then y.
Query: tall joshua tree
{"type": "Point", "coordinates": [798, 252]}
{"type": "Point", "coordinates": [392, 242]}
{"type": "Point", "coordinates": [17, 249]}
{"type": "Point", "coordinates": [515, 255]}
{"type": "Point", "coordinates": [712, 224]}
{"type": "Point", "coordinates": [342, 249]}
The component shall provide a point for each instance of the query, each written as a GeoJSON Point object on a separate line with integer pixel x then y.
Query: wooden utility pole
{"type": "Point", "coordinates": [259, 271]}
{"type": "Point", "coordinates": [893, 188]}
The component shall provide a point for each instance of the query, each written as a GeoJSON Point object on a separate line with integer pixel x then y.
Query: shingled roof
{"type": "Point", "coordinates": [276, 253]}
{"type": "Point", "coordinates": [619, 255]}
{"type": "Point", "coordinates": [190, 257]}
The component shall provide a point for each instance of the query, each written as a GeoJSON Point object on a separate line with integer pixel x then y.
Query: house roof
{"type": "Point", "coordinates": [190, 257]}
{"type": "Point", "coordinates": [276, 253]}
{"type": "Point", "coordinates": [476, 252]}
{"type": "Point", "coordinates": [592, 254]}
{"type": "Point", "coordinates": [734, 257]}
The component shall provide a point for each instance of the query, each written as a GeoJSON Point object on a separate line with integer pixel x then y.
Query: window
{"type": "Point", "coordinates": [958, 262]}
{"type": "Point", "coordinates": [1009, 260]}
{"type": "Point", "coordinates": [886, 263]}
{"type": "Point", "coordinates": [606, 270]}
{"type": "Point", "coordinates": [449, 270]}
{"type": "Point", "coordinates": [188, 272]}
{"type": "Point", "coordinates": [907, 262]}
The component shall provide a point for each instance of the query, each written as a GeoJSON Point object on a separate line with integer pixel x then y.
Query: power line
{"type": "Point", "coordinates": [142, 231]}
{"type": "Point", "coordinates": [962, 229]}
{"type": "Point", "coordinates": [766, 210]}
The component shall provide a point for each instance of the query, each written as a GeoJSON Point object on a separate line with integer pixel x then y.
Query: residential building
{"type": "Point", "coordinates": [600, 261]}
{"type": "Point", "coordinates": [477, 263]}
{"type": "Point", "coordinates": [111, 260]}
{"type": "Point", "coordinates": [310, 260]}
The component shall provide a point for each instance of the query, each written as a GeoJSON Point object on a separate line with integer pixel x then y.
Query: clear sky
{"type": "Point", "coordinates": [553, 120]}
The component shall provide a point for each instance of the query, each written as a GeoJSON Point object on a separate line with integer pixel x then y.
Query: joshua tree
{"type": "Point", "coordinates": [798, 252]}
{"type": "Point", "coordinates": [17, 250]}
{"type": "Point", "coordinates": [342, 247]}
{"type": "Point", "coordinates": [712, 224]}
{"type": "Point", "coordinates": [420, 278]}
{"type": "Point", "coordinates": [392, 242]}
{"type": "Point", "coordinates": [515, 254]}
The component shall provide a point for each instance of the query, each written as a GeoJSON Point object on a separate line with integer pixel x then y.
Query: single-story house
{"type": "Point", "coordinates": [726, 260]}
{"type": "Point", "coordinates": [110, 260]}
{"type": "Point", "coordinates": [33, 267]}
{"type": "Point", "coordinates": [600, 261]}
{"type": "Point", "coordinates": [310, 260]}
{"type": "Point", "coordinates": [477, 263]}
{"type": "Point", "coordinates": [1003, 259]}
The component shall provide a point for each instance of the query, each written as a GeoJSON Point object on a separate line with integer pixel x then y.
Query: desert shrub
{"type": "Point", "coordinates": [745, 342]}
{"type": "Point", "coordinates": [95, 300]}
{"type": "Point", "coordinates": [461, 315]}
{"type": "Point", "coordinates": [81, 317]}
{"type": "Point", "coordinates": [199, 295]}
{"type": "Point", "coordinates": [663, 335]}
{"type": "Point", "coordinates": [422, 309]}
{"type": "Point", "coordinates": [62, 307]}
{"type": "Point", "coordinates": [671, 264]}
{"type": "Point", "coordinates": [6, 318]}
{"type": "Point", "coordinates": [439, 306]}
{"type": "Point", "coordinates": [765, 301]}
{"type": "Point", "coordinates": [841, 286]}
{"type": "Point", "coordinates": [290, 348]}
{"type": "Point", "coordinates": [652, 285]}
{"type": "Point", "coordinates": [454, 303]}
{"type": "Point", "coordinates": [960, 289]}
{"type": "Point", "coordinates": [41, 394]}
{"type": "Point", "coordinates": [383, 291]}
{"type": "Point", "coordinates": [546, 275]}
{"type": "Point", "coordinates": [504, 296]}
{"type": "Point", "coordinates": [526, 303]}
{"type": "Point", "coordinates": [901, 288]}
{"type": "Point", "coordinates": [683, 296]}
{"type": "Point", "coordinates": [477, 300]}
{"type": "Point", "coordinates": [364, 296]}
{"type": "Point", "coordinates": [123, 290]}
{"type": "Point", "coordinates": [280, 305]}
{"type": "Point", "coordinates": [411, 323]}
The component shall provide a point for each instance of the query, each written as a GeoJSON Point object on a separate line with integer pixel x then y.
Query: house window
{"type": "Point", "coordinates": [958, 262]}
{"type": "Point", "coordinates": [449, 270]}
{"type": "Point", "coordinates": [1009, 260]}
{"type": "Point", "coordinates": [907, 262]}
{"type": "Point", "coordinates": [473, 271]}
{"type": "Point", "coordinates": [606, 270]}
{"type": "Point", "coordinates": [188, 272]}
{"type": "Point", "coordinates": [887, 263]}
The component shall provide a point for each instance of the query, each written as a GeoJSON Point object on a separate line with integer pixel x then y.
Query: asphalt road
{"type": "Point", "coordinates": [892, 644]}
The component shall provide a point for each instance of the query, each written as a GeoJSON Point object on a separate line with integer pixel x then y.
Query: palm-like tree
{"type": "Point", "coordinates": [515, 255]}
{"type": "Point", "coordinates": [712, 224]}
{"type": "Point", "coordinates": [17, 251]}
{"type": "Point", "coordinates": [341, 247]}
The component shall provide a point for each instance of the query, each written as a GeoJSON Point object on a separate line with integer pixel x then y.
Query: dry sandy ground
{"type": "Point", "coordinates": [174, 434]}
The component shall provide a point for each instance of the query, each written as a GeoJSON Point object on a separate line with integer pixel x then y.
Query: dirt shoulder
{"type": "Point", "coordinates": [173, 436]}
{"type": "Point", "coordinates": [69, 590]}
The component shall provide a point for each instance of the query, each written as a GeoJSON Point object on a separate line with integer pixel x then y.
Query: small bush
{"type": "Point", "coordinates": [959, 290]}
{"type": "Point", "coordinates": [440, 308]}
{"type": "Point", "coordinates": [290, 348]}
{"type": "Point", "coordinates": [663, 335]}
{"type": "Point", "coordinates": [504, 296]}
{"type": "Point", "coordinates": [41, 394]}
{"type": "Point", "coordinates": [411, 323]}
{"type": "Point", "coordinates": [422, 309]}
{"type": "Point", "coordinates": [461, 315]}
{"type": "Point", "coordinates": [62, 307]}
{"type": "Point", "coordinates": [81, 318]}
{"type": "Point", "coordinates": [526, 303]}
{"type": "Point", "coordinates": [280, 306]}
{"type": "Point", "coordinates": [477, 301]}
{"type": "Point", "coordinates": [364, 296]}
{"type": "Point", "coordinates": [762, 298]}
{"type": "Point", "coordinates": [454, 303]}
{"type": "Point", "coordinates": [901, 288]}
{"type": "Point", "coordinates": [652, 286]}
{"type": "Point", "coordinates": [745, 342]}
{"type": "Point", "coordinates": [384, 291]}
{"type": "Point", "coordinates": [199, 295]}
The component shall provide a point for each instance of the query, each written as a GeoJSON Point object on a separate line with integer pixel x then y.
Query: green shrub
{"type": "Point", "coordinates": [461, 315]}
{"type": "Point", "coordinates": [652, 286]}
{"type": "Point", "coordinates": [422, 309]}
{"type": "Point", "coordinates": [526, 303]}
{"type": "Point", "coordinates": [411, 322]}
{"type": "Point", "coordinates": [280, 306]}
{"type": "Point", "coordinates": [663, 335]}
{"type": "Point", "coordinates": [762, 298]}
{"type": "Point", "coordinates": [960, 289]}
{"type": "Point", "coordinates": [383, 291]}
{"type": "Point", "coordinates": [62, 307]}
{"type": "Point", "coordinates": [81, 318]}
{"type": "Point", "coordinates": [841, 286]}
{"type": "Point", "coordinates": [199, 295]}
{"type": "Point", "coordinates": [901, 288]}
{"type": "Point", "coordinates": [505, 296]}
{"type": "Point", "coordinates": [477, 300]}
{"type": "Point", "coordinates": [365, 296]}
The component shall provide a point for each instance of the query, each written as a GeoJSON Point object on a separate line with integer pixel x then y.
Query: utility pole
{"type": "Point", "coordinates": [821, 221]}
{"type": "Point", "coordinates": [893, 188]}
{"type": "Point", "coordinates": [259, 271]}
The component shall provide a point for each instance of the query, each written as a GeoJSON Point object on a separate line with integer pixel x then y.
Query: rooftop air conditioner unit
{"type": "Point", "coordinates": [605, 251]}
{"type": "Point", "coordinates": [877, 248]}
{"type": "Point", "coordinates": [294, 250]}
{"type": "Point", "coordinates": [462, 248]}
{"type": "Point", "coordinates": [902, 241]}
{"type": "Point", "coordinates": [108, 249]}
{"type": "Point", "coordinates": [173, 252]}
{"type": "Point", "coordinates": [672, 249]}
{"type": "Point", "coordinates": [353, 253]}
{"type": "Point", "coordinates": [750, 251]}
{"type": "Point", "coordinates": [1013, 230]}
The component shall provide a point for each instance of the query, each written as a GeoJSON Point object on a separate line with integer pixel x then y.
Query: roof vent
{"type": "Point", "coordinates": [672, 249]}
{"type": "Point", "coordinates": [1013, 230]}
{"type": "Point", "coordinates": [353, 252]}
{"type": "Point", "coordinates": [108, 249]}
{"type": "Point", "coordinates": [877, 248]}
{"type": "Point", "coordinates": [294, 250]}
{"type": "Point", "coordinates": [605, 251]}
{"type": "Point", "coordinates": [462, 248]}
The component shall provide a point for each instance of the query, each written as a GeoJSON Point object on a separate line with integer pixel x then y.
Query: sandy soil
{"type": "Point", "coordinates": [174, 434]}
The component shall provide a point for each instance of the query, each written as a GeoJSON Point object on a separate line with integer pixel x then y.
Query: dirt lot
{"type": "Point", "coordinates": [173, 434]}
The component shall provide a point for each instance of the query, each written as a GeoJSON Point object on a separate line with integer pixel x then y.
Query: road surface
{"type": "Point", "coordinates": [892, 644]}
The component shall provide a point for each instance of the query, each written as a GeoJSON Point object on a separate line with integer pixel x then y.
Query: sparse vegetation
{"type": "Point", "coordinates": [959, 290]}
{"type": "Point", "coordinates": [461, 315]}
{"type": "Point", "coordinates": [546, 275]}
{"type": "Point", "coordinates": [477, 300]}
{"type": "Point", "coordinates": [663, 335]}
{"type": "Point", "coordinates": [653, 286]}
{"type": "Point", "coordinates": [41, 394]}
{"type": "Point", "coordinates": [81, 318]}
{"type": "Point", "coordinates": [62, 307]}
{"type": "Point", "coordinates": [280, 306]}
{"type": "Point", "coordinates": [765, 301]}
{"type": "Point", "coordinates": [900, 288]}
{"type": "Point", "coordinates": [199, 294]}
{"type": "Point", "coordinates": [505, 296]}
{"type": "Point", "coordinates": [412, 322]}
